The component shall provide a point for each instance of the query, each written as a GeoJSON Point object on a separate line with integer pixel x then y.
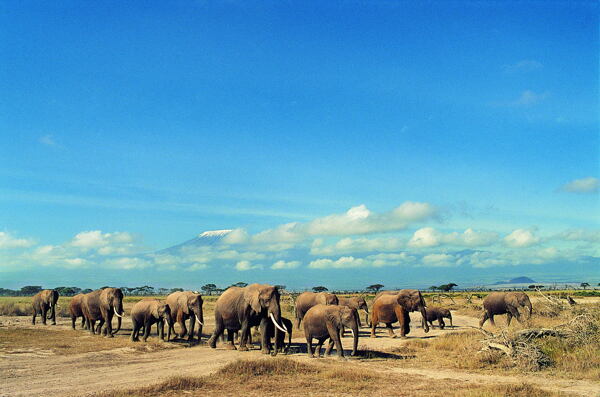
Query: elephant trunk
{"type": "Point", "coordinates": [424, 315]}
{"type": "Point", "coordinates": [118, 326]}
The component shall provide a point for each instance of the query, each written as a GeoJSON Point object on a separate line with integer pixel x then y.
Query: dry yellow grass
{"type": "Point", "coordinates": [288, 377]}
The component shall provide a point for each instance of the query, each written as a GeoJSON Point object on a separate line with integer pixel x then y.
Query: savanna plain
{"type": "Point", "coordinates": [556, 352]}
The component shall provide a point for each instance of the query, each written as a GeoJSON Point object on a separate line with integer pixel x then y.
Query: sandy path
{"type": "Point", "coordinates": [82, 374]}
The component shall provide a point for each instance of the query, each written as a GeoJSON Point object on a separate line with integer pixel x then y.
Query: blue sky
{"type": "Point", "coordinates": [129, 128]}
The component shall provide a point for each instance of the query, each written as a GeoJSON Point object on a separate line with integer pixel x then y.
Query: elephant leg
{"type": "Point", "coordinates": [373, 326]}
{"type": "Point", "coordinates": [181, 322]}
{"type": "Point", "coordinates": [134, 328]}
{"type": "Point", "coordinates": [309, 348]}
{"type": "Point", "coordinates": [390, 330]}
{"type": "Point", "coordinates": [44, 314]}
{"type": "Point", "coordinates": [230, 345]}
{"type": "Point", "coordinates": [53, 318]}
{"type": "Point", "coordinates": [484, 318]}
{"type": "Point", "coordinates": [73, 319]}
{"type": "Point", "coordinates": [441, 322]}
{"type": "Point", "coordinates": [219, 329]}
{"type": "Point", "coordinates": [298, 319]}
{"type": "Point", "coordinates": [508, 319]}
{"type": "Point", "coordinates": [492, 319]}
{"type": "Point", "coordinates": [244, 336]}
{"type": "Point", "coordinates": [83, 323]}
{"type": "Point", "coordinates": [192, 325]}
{"type": "Point", "coordinates": [334, 333]}
{"type": "Point", "coordinates": [160, 325]}
{"type": "Point", "coordinates": [318, 347]}
{"type": "Point", "coordinates": [329, 347]}
{"type": "Point", "coordinates": [34, 314]}
{"type": "Point", "coordinates": [147, 328]}
{"type": "Point", "coordinates": [265, 339]}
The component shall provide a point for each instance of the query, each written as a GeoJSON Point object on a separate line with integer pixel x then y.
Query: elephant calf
{"type": "Point", "coordinates": [438, 313]}
{"type": "Point", "coordinates": [43, 302]}
{"type": "Point", "coordinates": [358, 303]}
{"type": "Point", "coordinates": [147, 312]}
{"type": "Point", "coordinates": [325, 322]}
{"type": "Point", "coordinates": [306, 300]}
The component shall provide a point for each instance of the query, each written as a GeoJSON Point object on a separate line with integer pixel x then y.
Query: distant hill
{"type": "Point", "coordinates": [207, 238]}
{"type": "Point", "coordinates": [517, 280]}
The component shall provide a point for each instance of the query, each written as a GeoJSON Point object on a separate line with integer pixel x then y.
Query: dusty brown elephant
{"type": "Point", "coordinates": [389, 308]}
{"type": "Point", "coordinates": [101, 305]}
{"type": "Point", "coordinates": [147, 312]}
{"type": "Point", "coordinates": [43, 302]}
{"type": "Point", "coordinates": [238, 309]}
{"type": "Point", "coordinates": [325, 322]}
{"type": "Point", "coordinates": [76, 311]}
{"type": "Point", "coordinates": [438, 313]}
{"type": "Point", "coordinates": [306, 300]}
{"type": "Point", "coordinates": [355, 302]}
{"type": "Point", "coordinates": [504, 303]}
{"type": "Point", "coordinates": [184, 305]}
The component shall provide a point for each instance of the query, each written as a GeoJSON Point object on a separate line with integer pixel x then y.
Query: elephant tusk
{"type": "Point", "coordinates": [353, 335]}
{"type": "Point", "coordinates": [199, 322]}
{"type": "Point", "coordinates": [118, 315]}
{"type": "Point", "coordinates": [277, 325]}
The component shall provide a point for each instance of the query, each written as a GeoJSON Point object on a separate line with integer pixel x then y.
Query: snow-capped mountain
{"type": "Point", "coordinates": [204, 239]}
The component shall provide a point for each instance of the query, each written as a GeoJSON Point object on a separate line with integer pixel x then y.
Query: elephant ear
{"type": "Point", "coordinates": [405, 300]}
{"type": "Point", "coordinates": [511, 299]}
{"type": "Point", "coordinates": [183, 304]}
{"type": "Point", "coordinates": [252, 298]}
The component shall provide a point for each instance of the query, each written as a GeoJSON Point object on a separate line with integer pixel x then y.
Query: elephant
{"type": "Point", "coordinates": [76, 311]}
{"type": "Point", "coordinates": [184, 305]}
{"type": "Point", "coordinates": [306, 300]}
{"type": "Point", "coordinates": [101, 305]}
{"type": "Point", "coordinates": [438, 313]}
{"type": "Point", "coordinates": [504, 303]}
{"type": "Point", "coordinates": [43, 302]}
{"type": "Point", "coordinates": [280, 345]}
{"type": "Point", "coordinates": [355, 302]}
{"type": "Point", "coordinates": [238, 309]}
{"type": "Point", "coordinates": [325, 322]}
{"type": "Point", "coordinates": [147, 312]}
{"type": "Point", "coordinates": [389, 308]}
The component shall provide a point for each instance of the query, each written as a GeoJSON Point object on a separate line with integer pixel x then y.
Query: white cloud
{"type": "Point", "coordinates": [237, 236]}
{"type": "Point", "coordinates": [378, 260]}
{"type": "Point", "coordinates": [197, 266]}
{"type": "Point", "coordinates": [7, 241]}
{"type": "Point", "coordinates": [439, 260]}
{"type": "Point", "coordinates": [127, 263]}
{"type": "Point", "coordinates": [285, 265]}
{"type": "Point", "coordinates": [529, 97]}
{"type": "Point", "coordinates": [357, 220]}
{"type": "Point", "coordinates": [105, 243]}
{"type": "Point", "coordinates": [521, 238]}
{"type": "Point", "coordinates": [429, 237]}
{"type": "Point", "coordinates": [584, 185]}
{"type": "Point", "coordinates": [48, 140]}
{"type": "Point", "coordinates": [356, 245]}
{"type": "Point", "coordinates": [526, 65]}
{"type": "Point", "coordinates": [579, 235]}
{"type": "Point", "coordinates": [246, 265]}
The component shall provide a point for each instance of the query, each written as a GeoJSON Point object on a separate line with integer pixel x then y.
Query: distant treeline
{"type": "Point", "coordinates": [213, 289]}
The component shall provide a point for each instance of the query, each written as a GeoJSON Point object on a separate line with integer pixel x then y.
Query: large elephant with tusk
{"type": "Point", "coordinates": [184, 305]}
{"type": "Point", "coordinates": [101, 305]}
{"type": "Point", "coordinates": [44, 303]}
{"type": "Point", "coordinates": [239, 309]}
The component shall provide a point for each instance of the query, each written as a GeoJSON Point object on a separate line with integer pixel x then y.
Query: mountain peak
{"type": "Point", "coordinates": [215, 233]}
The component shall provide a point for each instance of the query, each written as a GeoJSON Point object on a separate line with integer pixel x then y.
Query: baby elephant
{"type": "Point", "coordinates": [438, 313]}
{"type": "Point", "coordinates": [280, 345]}
{"type": "Point", "coordinates": [147, 312]}
{"type": "Point", "coordinates": [325, 322]}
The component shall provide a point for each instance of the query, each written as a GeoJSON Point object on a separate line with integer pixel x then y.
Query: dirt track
{"type": "Point", "coordinates": [37, 373]}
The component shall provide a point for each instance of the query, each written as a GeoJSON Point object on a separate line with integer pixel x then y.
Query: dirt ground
{"type": "Point", "coordinates": [42, 372]}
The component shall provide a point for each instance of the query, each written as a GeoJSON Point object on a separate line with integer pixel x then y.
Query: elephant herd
{"type": "Point", "coordinates": [324, 316]}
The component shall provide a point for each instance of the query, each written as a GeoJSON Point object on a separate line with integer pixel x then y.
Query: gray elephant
{"type": "Point", "coordinates": [147, 312]}
{"type": "Point", "coordinates": [239, 309]}
{"type": "Point", "coordinates": [325, 322]}
{"type": "Point", "coordinates": [438, 313]}
{"type": "Point", "coordinates": [184, 305]}
{"type": "Point", "coordinates": [101, 305]}
{"type": "Point", "coordinates": [306, 300]}
{"type": "Point", "coordinates": [504, 303]}
{"type": "Point", "coordinates": [357, 303]}
{"type": "Point", "coordinates": [389, 308]}
{"type": "Point", "coordinates": [44, 302]}
{"type": "Point", "coordinates": [76, 311]}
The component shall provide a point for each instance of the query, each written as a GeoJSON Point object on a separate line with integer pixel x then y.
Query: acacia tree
{"type": "Point", "coordinates": [447, 287]}
{"type": "Point", "coordinates": [320, 288]}
{"type": "Point", "coordinates": [584, 285]}
{"type": "Point", "coordinates": [374, 288]}
{"type": "Point", "coordinates": [209, 288]}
